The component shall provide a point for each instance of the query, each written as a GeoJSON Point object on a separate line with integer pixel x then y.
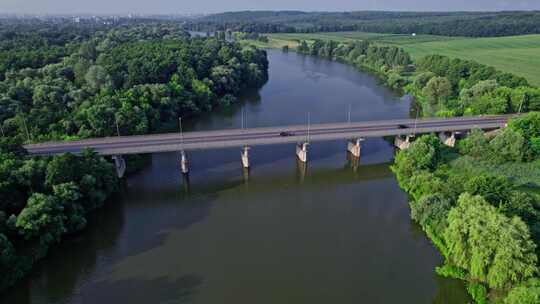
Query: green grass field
{"type": "Point", "coordinates": [393, 39]}
{"type": "Point", "coordinates": [519, 55]}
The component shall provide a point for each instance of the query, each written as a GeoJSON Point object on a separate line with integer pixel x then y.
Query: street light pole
{"type": "Point", "coordinates": [349, 115]}
{"type": "Point", "coordinates": [181, 132]}
{"type": "Point", "coordinates": [308, 125]}
{"type": "Point", "coordinates": [26, 129]}
{"type": "Point", "coordinates": [117, 127]}
{"type": "Point", "coordinates": [521, 105]}
{"type": "Point", "coordinates": [416, 121]}
{"type": "Point", "coordinates": [242, 119]}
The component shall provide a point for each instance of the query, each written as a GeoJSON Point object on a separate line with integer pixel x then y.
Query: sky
{"type": "Point", "coordinates": [215, 6]}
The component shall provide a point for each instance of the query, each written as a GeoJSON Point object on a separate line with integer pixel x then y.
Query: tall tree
{"type": "Point", "coordinates": [437, 90]}
{"type": "Point", "coordinates": [494, 249]}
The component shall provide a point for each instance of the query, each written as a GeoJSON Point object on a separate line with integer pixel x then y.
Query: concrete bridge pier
{"type": "Point", "coordinates": [354, 147]}
{"type": "Point", "coordinates": [184, 162]}
{"type": "Point", "coordinates": [185, 183]}
{"type": "Point", "coordinates": [245, 174]}
{"type": "Point", "coordinates": [449, 141]}
{"type": "Point", "coordinates": [353, 161]}
{"type": "Point", "coordinates": [402, 144]}
{"type": "Point", "coordinates": [301, 151]}
{"type": "Point", "coordinates": [245, 156]}
{"type": "Point", "coordinates": [301, 169]}
{"type": "Point", "coordinates": [120, 165]}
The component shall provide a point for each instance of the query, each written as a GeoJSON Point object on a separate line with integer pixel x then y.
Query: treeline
{"type": "Point", "coordinates": [44, 199]}
{"type": "Point", "coordinates": [453, 87]}
{"type": "Point", "coordinates": [360, 53]}
{"type": "Point", "coordinates": [32, 43]}
{"type": "Point", "coordinates": [485, 224]}
{"type": "Point", "coordinates": [248, 36]}
{"type": "Point", "coordinates": [472, 24]}
{"type": "Point", "coordinates": [132, 79]}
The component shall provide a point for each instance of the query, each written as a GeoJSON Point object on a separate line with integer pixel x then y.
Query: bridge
{"type": "Point", "coordinates": [402, 129]}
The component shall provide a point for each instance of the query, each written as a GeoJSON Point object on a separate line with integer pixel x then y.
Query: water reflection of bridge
{"type": "Point", "coordinates": [316, 178]}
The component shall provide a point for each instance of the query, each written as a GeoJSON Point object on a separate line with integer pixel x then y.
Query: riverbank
{"type": "Point", "coordinates": [442, 90]}
{"type": "Point", "coordinates": [512, 54]}
{"type": "Point", "coordinates": [473, 214]}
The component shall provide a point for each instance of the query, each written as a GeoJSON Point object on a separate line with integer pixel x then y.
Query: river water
{"type": "Point", "coordinates": [330, 232]}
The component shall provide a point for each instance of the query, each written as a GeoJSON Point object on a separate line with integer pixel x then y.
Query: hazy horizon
{"type": "Point", "coordinates": [164, 7]}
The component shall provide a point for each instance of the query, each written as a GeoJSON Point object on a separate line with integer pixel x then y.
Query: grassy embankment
{"type": "Point", "coordinates": [516, 54]}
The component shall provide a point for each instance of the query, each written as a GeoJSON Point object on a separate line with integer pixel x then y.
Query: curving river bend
{"type": "Point", "coordinates": [328, 233]}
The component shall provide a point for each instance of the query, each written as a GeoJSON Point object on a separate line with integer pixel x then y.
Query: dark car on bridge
{"type": "Point", "coordinates": [403, 127]}
{"type": "Point", "coordinates": [285, 134]}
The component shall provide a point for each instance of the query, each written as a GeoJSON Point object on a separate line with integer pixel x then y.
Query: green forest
{"type": "Point", "coordinates": [471, 24]}
{"type": "Point", "coordinates": [481, 216]}
{"type": "Point", "coordinates": [72, 81]}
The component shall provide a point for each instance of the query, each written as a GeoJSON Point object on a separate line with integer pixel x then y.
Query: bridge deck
{"type": "Point", "coordinates": [264, 136]}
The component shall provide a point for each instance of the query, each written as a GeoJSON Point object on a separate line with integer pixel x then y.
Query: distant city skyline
{"type": "Point", "coordinates": [213, 6]}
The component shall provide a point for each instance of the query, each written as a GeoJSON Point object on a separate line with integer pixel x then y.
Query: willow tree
{"type": "Point", "coordinates": [492, 248]}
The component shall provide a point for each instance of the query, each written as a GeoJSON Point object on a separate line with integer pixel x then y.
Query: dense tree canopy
{"type": "Point", "coordinates": [483, 222]}
{"type": "Point", "coordinates": [493, 248]}
{"type": "Point", "coordinates": [68, 82]}
{"type": "Point", "coordinates": [141, 77]}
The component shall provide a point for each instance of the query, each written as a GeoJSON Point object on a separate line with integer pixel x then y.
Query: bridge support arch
{"type": "Point", "coordinates": [301, 169]}
{"type": "Point", "coordinates": [120, 165]}
{"type": "Point", "coordinates": [186, 183]}
{"type": "Point", "coordinates": [184, 167]}
{"type": "Point", "coordinates": [301, 151]}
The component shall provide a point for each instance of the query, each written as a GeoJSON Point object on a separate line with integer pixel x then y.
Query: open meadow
{"type": "Point", "coordinates": [519, 55]}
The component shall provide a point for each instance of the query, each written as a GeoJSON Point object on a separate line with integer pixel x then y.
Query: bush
{"type": "Point", "coordinates": [508, 146]}
{"type": "Point", "coordinates": [493, 248]}
{"type": "Point", "coordinates": [526, 294]}
{"type": "Point", "coordinates": [431, 210]}
{"type": "Point", "coordinates": [494, 189]}
{"type": "Point", "coordinates": [423, 154]}
{"type": "Point", "coordinates": [475, 144]}
{"type": "Point", "coordinates": [449, 271]}
{"type": "Point", "coordinates": [478, 292]}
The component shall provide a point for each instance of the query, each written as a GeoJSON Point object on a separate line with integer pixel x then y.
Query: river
{"type": "Point", "coordinates": [328, 233]}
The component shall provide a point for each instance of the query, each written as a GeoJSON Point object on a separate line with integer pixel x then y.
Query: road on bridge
{"type": "Point", "coordinates": [168, 142]}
